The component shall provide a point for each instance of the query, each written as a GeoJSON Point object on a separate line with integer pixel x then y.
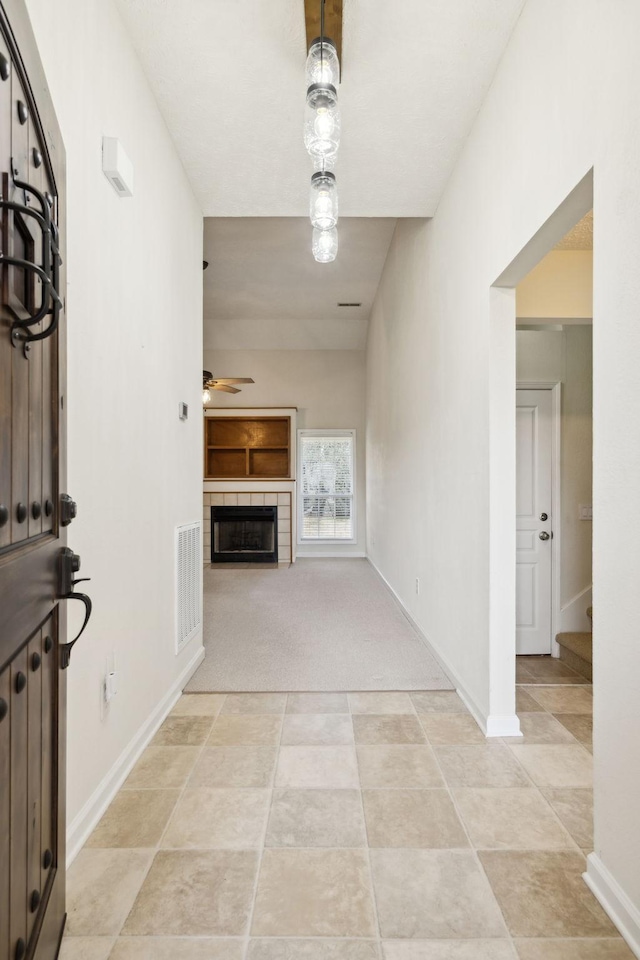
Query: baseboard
{"type": "Point", "coordinates": [87, 818]}
{"type": "Point", "coordinates": [491, 726]}
{"type": "Point", "coordinates": [503, 726]}
{"type": "Point", "coordinates": [573, 615]}
{"type": "Point", "coordinates": [614, 901]}
{"type": "Point", "coordinates": [332, 556]}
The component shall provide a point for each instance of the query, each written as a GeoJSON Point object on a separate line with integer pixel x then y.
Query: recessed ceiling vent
{"type": "Point", "coordinates": [349, 304]}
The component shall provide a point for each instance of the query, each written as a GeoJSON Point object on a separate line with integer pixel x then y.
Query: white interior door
{"type": "Point", "coordinates": [534, 518]}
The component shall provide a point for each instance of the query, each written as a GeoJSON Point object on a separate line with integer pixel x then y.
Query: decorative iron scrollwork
{"type": "Point", "coordinates": [48, 272]}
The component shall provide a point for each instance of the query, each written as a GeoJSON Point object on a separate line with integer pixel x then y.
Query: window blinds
{"type": "Point", "coordinates": [326, 479]}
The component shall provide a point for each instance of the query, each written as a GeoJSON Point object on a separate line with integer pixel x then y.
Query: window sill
{"type": "Point", "coordinates": [321, 542]}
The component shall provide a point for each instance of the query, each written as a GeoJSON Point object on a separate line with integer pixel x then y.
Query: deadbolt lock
{"type": "Point", "coordinates": [544, 516]}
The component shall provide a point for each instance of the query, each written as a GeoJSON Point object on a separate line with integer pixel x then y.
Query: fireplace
{"type": "Point", "coordinates": [244, 534]}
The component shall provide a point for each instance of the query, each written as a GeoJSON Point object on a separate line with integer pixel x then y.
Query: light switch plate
{"type": "Point", "coordinates": [585, 512]}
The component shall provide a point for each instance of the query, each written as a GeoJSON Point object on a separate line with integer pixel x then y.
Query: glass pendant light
{"type": "Point", "coordinates": [325, 245]}
{"type": "Point", "coordinates": [323, 202]}
{"type": "Point", "coordinates": [322, 122]}
{"type": "Point", "coordinates": [206, 396]}
{"type": "Point", "coordinates": [323, 66]}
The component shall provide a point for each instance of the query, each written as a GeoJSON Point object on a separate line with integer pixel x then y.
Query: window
{"type": "Point", "coordinates": [325, 485]}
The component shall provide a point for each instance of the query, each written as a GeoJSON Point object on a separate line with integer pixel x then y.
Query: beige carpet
{"type": "Point", "coordinates": [327, 625]}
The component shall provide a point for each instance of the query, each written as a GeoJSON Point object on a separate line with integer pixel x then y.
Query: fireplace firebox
{"type": "Point", "coordinates": [244, 534]}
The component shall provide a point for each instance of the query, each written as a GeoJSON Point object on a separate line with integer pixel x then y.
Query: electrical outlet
{"type": "Point", "coordinates": [110, 686]}
{"type": "Point", "coordinates": [103, 701]}
{"type": "Point", "coordinates": [417, 586]}
{"type": "Point", "coordinates": [110, 682]}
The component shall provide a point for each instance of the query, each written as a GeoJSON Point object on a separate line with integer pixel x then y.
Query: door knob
{"type": "Point", "coordinates": [544, 535]}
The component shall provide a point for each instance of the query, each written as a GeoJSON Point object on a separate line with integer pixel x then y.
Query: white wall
{"type": "Point", "coordinates": [135, 330]}
{"type": "Point", "coordinates": [560, 287]}
{"type": "Point", "coordinates": [327, 387]}
{"type": "Point", "coordinates": [566, 356]}
{"type": "Point", "coordinates": [561, 103]}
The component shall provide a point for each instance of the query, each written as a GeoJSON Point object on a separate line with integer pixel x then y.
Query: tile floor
{"type": "Point", "coordinates": [363, 826]}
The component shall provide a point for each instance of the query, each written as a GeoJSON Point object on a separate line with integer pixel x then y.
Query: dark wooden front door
{"type": "Point", "coordinates": [32, 521]}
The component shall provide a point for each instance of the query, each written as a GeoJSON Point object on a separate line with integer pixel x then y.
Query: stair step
{"type": "Point", "coordinates": [578, 643]}
{"type": "Point", "coordinates": [576, 650]}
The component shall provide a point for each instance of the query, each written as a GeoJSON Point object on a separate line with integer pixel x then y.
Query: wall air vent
{"type": "Point", "coordinates": [188, 582]}
{"type": "Point", "coordinates": [349, 304]}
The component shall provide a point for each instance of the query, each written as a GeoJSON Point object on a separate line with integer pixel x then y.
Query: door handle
{"type": "Point", "coordinates": [70, 564]}
{"type": "Point", "coordinates": [544, 535]}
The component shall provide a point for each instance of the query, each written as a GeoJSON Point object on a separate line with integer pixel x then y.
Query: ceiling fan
{"type": "Point", "coordinates": [209, 382]}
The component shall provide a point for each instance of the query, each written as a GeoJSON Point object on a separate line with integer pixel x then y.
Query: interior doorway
{"type": "Point", "coordinates": [556, 361]}
{"type": "Point", "coordinates": [502, 448]}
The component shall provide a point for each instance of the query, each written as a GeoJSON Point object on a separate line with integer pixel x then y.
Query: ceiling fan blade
{"type": "Point", "coordinates": [232, 380]}
{"type": "Point", "coordinates": [223, 386]}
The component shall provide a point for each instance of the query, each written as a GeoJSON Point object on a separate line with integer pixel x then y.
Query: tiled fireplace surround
{"type": "Point", "coordinates": [258, 492]}
{"type": "Point", "coordinates": [266, 498]}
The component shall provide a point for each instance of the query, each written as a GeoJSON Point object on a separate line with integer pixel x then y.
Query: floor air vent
{"type": "Point", "coordinates": [188, 582]}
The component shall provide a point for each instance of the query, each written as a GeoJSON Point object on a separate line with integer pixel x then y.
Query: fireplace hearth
{"type": "Point", "coordinates": [244, 534]}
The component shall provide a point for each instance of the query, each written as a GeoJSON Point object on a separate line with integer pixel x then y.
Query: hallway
{"type": "Point", "coordinates": [336, 826]}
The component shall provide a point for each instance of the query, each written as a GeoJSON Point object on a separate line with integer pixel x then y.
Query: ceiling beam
{"type": "Point", "coordinates": [332, 22]}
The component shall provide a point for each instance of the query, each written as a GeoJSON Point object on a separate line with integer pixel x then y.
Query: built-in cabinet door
{"type": "Point", "coordinates": [534, 521]}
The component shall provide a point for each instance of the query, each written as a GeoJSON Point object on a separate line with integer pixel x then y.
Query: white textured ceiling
{"type": "Point", "coordinates": [263, 289]}
{"type": "Point", "coordinates": [228, 76]}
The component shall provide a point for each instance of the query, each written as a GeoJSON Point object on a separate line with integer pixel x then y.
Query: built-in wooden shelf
{"type": "Point", "coordinates": [241, 447]}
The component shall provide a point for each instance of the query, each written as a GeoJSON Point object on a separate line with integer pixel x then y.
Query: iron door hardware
{"type": "Point", "coordinates": [543, 535]}
{"type": "Point", "coordinates": [544, 516]}
{"type": "Point", "coordinates": [48, 272]}
{"type": "Point", "coordinates": [68, 510]}
{"type": "Point", "coordinates": [69, 565]}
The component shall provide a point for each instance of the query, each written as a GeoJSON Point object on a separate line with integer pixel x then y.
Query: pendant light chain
{"type": "Point", "coordinates": [322, 139]}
